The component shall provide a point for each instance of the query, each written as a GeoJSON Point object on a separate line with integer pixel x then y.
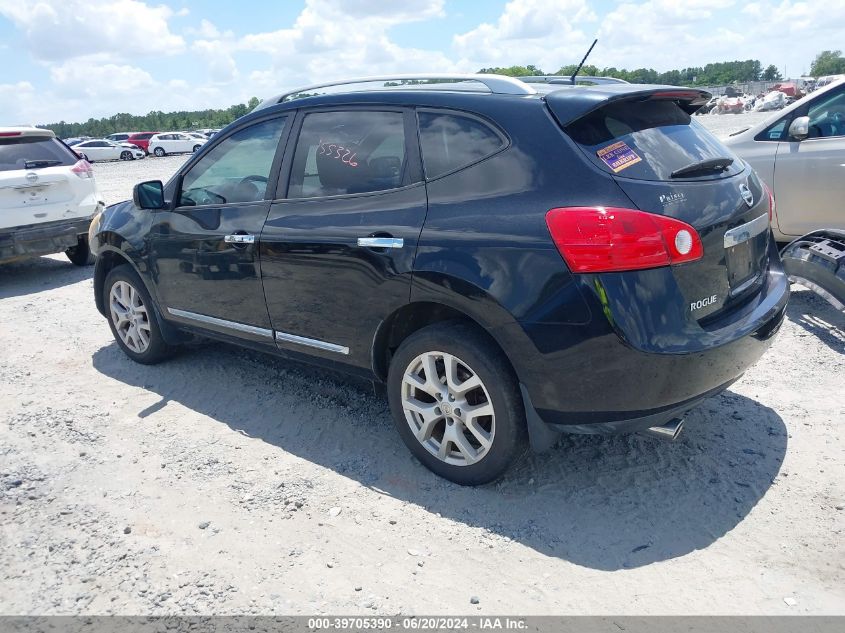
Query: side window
{"type": "Point", "coordinates": [341, 153]}
{"type": "Point", "coordinates": [451, 141]}
{"type": "Point", "coordinates": [235, 170]}
{"type": "Point", "coordinates": [827, 115]}
{"type": "Point", "coordinates": [775, 132]}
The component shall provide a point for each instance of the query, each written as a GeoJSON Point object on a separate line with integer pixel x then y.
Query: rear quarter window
{"type": "Point", "coordinates": [16, 152]}
{"type": "Point", "coordinates": [647, 140]}
{"type": "Point", "coordinates": [452, 141]}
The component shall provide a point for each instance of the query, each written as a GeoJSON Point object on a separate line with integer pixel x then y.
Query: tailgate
{"type": "Point", "coordinates": [31, 196]}
{"type": "Point", "coordinates": [669, 165]}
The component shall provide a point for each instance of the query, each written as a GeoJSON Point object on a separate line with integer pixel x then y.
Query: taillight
{"type": "Point", "coordinates": [604, 239]}
{"type": "Point", "coordinates": [772, 204]}
{"type": "Point", "coordinates": [6, 134]}
{"type": "Point", "coordinates": [83, 169]}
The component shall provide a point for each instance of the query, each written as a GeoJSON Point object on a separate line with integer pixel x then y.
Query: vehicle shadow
{"type": "Point", "coordinates": [817, 317]}
{"type": "Point", "coordinates": [606, 503]}
{"type": "Point", "coordinates": [38, 274]}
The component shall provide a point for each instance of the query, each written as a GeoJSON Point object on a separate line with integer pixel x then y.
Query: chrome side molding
{"type": "Point", "coordinates": [231, 325]}
{"type": "Point", "coordinates": [311, 342]}
{"type": "Point", "coordinates": [259, 331]}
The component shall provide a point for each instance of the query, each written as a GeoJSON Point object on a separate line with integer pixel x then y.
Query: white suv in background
{"type": "Point", "coordinates": [174, 143]}
{"type": "Point", "coordinates": [47, 196]}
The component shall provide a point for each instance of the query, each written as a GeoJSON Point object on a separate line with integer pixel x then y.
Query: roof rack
{"type": "Point", "coordinates": [496, 84]}
{"type": "Point", "coordinates": [562, 79]}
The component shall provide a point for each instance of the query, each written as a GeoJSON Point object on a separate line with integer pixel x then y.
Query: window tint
{"type": "Point", "coordinates": [827, 116]}
{"type": "Point", "coordinates": [451, 141]}
{"type": "Point", "coordinates": [32, 152]}
{"type": "Point", "coordinates": [647, 140]}
{"type": "Point", "coordinates": [348, 152]}
{"type": "Point", "coordinates": [236, 169]}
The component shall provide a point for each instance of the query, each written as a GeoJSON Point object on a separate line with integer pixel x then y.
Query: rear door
{"type": "Point", "coordinates": [338, 247]}
{"type": "Point", "coordinates": [35, 181]}
{"type": "Point", "coordinates": [204, 252]}
{"type": "Point", "coordinates": [650, 146]}
{"type": "Point", "coordinates": [810, 174]}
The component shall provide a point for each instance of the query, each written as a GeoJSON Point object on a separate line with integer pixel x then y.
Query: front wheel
{"type": "Point", "coordinates": [456, 403]}
{"type": "Point", "coordinates": [80, 255]}
{"type": "Point", "coordinates": [197, 148]}
{"type": "Point", "coordinates": [126, 155]}
{"type": "Point", "coordinates": [159, 151]}
{"type": "Point", "coordinates": [132, 317]}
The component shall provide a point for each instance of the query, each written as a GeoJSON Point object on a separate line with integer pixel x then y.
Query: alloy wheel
{"type": "Point", "coordinates": [448, 408]}
{"type": "Point", "coordinates": [129, 316]}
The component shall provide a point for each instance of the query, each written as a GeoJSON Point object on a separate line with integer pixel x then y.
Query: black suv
{"type": "Point", "coordinates": [510, 263]}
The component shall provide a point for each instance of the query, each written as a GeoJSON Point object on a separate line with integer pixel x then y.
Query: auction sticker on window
{"type": "Point", "coordinates": [618, 156]}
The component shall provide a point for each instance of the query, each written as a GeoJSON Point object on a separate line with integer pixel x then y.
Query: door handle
{"type": "Point", "coordinates": [381, 242]}
{"type": "Point", "coordinates": [239, 238]}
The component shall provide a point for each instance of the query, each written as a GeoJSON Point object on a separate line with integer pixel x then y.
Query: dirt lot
{"type": "Point", "coordinates": [225, 481]}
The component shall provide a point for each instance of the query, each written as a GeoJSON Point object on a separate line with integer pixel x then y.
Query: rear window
{"type": "Point", "coordinates": [647, 140]}
{"type": "Point", "coordinates": [33, 152]}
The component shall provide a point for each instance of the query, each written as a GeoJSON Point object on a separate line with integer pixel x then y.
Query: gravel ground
{"type": "Point", "coordinates": [226, 481]}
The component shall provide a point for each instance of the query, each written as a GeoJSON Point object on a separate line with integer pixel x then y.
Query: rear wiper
{"type": "Point", "coordinates": [43, 162]}
{"type": "Point", "coordinates": [711, 164]}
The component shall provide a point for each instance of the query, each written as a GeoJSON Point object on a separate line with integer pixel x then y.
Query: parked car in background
{"type": "Point", "coordinates": [141, 139]}
{"type": "Point", "coordinates": [47, 197]}
{"type": "Point", "coordinates": [799, 152]}
{"type": "Point", "coordinates": [424, 238]}
{"type": "Point", "coordinates": [174, 143]}
{"type": "Point", "coordinates": [70, 142]}
{"type": "Point", "coordinates": [120, 136]}
{"type": "Point", "coordinates": [101, 149]}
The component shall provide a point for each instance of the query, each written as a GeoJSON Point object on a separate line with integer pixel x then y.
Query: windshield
{"type": "Point", "coordinates": [648, 140]}
{"type": "Point", "coordinates": [16, 152]}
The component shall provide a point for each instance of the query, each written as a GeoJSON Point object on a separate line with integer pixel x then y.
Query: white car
{"type": "Point", "coordinates": [174, 143]}
{"type": "Point", "coordinates": [47, 197]}
{"type": "Point", "coordinates": [101, 149]}
{"type": "Point", "coordinates": [800, 153]}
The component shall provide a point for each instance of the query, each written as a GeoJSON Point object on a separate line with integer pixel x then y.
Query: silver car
{"type": "Point", "coordinates": [800, 154]}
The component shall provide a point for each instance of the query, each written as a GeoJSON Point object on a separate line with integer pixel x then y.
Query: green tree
{"type": "Point", "coordinates": [513, 71]}
{"type": "Point", "coordinates": [828, 63]}
{"type": "Point", "coordinates": [771, 73]}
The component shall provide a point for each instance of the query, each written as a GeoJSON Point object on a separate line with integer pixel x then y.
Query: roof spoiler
{"type": "Point", "coordinates": [570, 105]}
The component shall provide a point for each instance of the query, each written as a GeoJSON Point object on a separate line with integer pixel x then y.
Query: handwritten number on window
{"type": "Point", "coordinates": [338, 152]}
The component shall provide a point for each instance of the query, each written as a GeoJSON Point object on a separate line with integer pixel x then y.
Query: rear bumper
{"type": "Point", "coordinates": [41, 239]}
{"type": "Point", "coordinates": [637, 364]}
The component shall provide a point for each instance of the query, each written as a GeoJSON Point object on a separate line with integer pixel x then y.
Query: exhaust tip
{"type": "Point", "coordinates": [669, 431]}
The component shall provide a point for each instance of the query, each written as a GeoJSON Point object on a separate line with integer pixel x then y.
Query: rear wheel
{"type": "Point", "coordinates": [126, 155]}
{"type": "Point", "coordinates": [132, 317]}
{"type": "Point", "coordinates": [80, 255]}
{"type": "Point", "coordinates": [159, 151]}
{"type": "Point", "coordinates": [456, 403]}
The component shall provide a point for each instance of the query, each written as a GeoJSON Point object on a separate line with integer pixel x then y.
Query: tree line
{"type": "Point", "coordinates": [155, 121]}
{"type": "Point", "coordinates": [721, 73]}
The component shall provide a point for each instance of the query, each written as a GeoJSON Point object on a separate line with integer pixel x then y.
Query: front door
{"type": "Point", "coordinates": [810, 174]}
{"type": "Point", "coordinates": [338, 251]}
{"type": "Point", "coordinates": [204, 251]}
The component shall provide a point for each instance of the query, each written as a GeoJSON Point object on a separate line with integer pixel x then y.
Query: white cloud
{"type": "Point", "coordinates": [546, 33]}
{"type": "Point", "coordinates": [63, 29]}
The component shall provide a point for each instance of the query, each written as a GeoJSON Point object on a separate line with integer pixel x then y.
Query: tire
{"type": "Point", "coordinates": [473, 356]}
{"type": "Point", "coordinates": [127, 155]}
{"type": "Point", "coordinates": [197, 148]}
{"type": "Point", "coordinates": [80, 255]}
{"type": "Point", "coordinates": [145, 345]}
{"type": "Point", "coordinates": [159, 151]}
{"type": "Point", "coordinates": [85, 158]}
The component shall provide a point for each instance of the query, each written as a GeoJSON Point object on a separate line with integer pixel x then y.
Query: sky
{"type": "Point", "coordinates": [73, 60]}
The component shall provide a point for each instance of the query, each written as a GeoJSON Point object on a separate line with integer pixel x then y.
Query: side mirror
{"type": "Point", "coordinates": [799, 129]}
{"type": "Point", "coordinates": [149, 195]}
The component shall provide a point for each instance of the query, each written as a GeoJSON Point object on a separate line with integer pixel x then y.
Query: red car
{"type": "Point", "coordinates": [141, 139]}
